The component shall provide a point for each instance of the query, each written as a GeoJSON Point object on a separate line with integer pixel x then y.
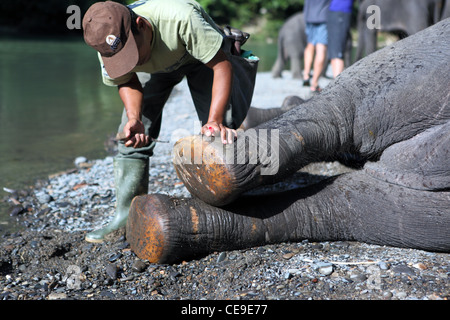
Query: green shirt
{"type": "Point", "coordinates": [182, 33]}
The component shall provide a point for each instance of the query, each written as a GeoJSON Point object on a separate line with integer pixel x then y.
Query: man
{"type": "Point", "coordinates": [168, 39]}
{"type": "Point", "coordinates": [315, 13]}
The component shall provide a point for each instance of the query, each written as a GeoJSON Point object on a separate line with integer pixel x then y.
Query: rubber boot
{"type": "Point", "coordinates": [131, 179]}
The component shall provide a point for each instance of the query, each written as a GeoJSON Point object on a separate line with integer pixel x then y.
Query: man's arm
{"type": "Point", "coordinates": [131, 94]}
{"type": "Point", "coordinates": [221, 91]}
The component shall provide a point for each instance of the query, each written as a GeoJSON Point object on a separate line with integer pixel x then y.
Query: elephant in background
{"type": "Point", "coordinates": [401, 17]}
{"type": "Point", "coordinates": [291, 45]}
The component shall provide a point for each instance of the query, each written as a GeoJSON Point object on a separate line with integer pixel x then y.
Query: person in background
{"type": "Point", "coordinates": [338, 25]}
{"type": "Point", "coordinates": [315, 13]}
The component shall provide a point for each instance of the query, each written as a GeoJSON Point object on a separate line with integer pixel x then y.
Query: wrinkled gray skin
{"type": "Point", "coordinates": [291, 46]}
{"type": "Point", "coordinates": [391, 108]}
{"type": "Point", "coordinates": [401, 17]}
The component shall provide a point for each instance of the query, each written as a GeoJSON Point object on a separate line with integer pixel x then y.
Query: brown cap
{"type": "Point", "coordinates": [107, 29]}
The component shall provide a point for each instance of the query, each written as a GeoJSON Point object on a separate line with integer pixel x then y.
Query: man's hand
{"type": "Point", "coordinates": [213, 128]}
{"type": "Point", "coordinates": [132, 95]}
{"type": "Point", "coordinates": [221, 91]}
{"type": "Point", "coordinates": [135, 134]}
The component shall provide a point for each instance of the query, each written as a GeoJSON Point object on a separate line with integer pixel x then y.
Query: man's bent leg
{"type": "Point", "coordinates": [131, 165]}
{"type": "Point", "coordinates": [131, 179]}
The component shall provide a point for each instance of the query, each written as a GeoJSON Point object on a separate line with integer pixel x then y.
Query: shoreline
{"type": "Point", "coordinates": [50, 260]}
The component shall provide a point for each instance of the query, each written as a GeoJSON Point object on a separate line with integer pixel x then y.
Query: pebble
{"type": "Point", "coordinates": [288, 256]}
{"type": "Point", "coordinates": [111, 271]}
{"type": "Point", "coordinates": [222, 256]}
{"type": "Point", "coordinates": [57, 296]}
{"type": "Point", "coordinates": [79, 160]}
{"type": "Point", "coordinates": [115, 257]}
{"type": "Point", "coordinates": [420, 266]}
{"type": "Point", "coordinates": [399, 269]}
{"type": "Point", "coordinates": [16, 210]}
{"type": "Point", "coordinates": [358, 277]}
{"type": "Point", "coordinates": [139, 266]}
{"type": "Point", "coordinates": [326, 269]}
{"type": "Point", "coordinates": [387, 295]}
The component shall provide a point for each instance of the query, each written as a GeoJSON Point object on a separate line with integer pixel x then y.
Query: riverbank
{"type": "Point", "coordinates": [48, 258]}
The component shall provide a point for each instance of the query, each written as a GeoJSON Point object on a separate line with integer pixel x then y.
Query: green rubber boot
{"type": "Point", "coordinates": [131, 179]}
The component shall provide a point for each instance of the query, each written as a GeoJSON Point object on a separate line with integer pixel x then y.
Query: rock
{"type": "Point", "coordinates": [16, 210]}
{"type": "Point", "coordinates": [115, 257]}
{"type": "Point", "coordinates": [111, 271]}
{"type": "Point", "coordinates": [387, 295]}
{"type": "Point", "coordinates": [79, 160]}
{"type": "Point", "coordinates": [45, 198]}
{"type": "Point", "coordinates": [57, 296]}
{"type": "Point", "coordinates": [175, 274]}
{"type": "Point", "coordinates": [288, 256]}
{"type": "Point", "coordinates": [399, 269]}
{"type": "Point", "coordinates": [358, 277]}
{"type": "Point", "coordinates": [326, 269]}
{"type": "Point", "coordinates": [139, 266]}
{"type": "Point", "coordinates": [401, 295]}
{"type": "Point", "coordinates": [420, 266]}
{"type": "Point", "coordinates": [222, 256]}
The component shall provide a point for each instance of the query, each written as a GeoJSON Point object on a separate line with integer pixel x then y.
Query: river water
{"type": "Point", "coordinates": [54, 108]}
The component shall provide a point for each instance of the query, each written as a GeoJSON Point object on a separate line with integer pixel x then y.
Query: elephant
{"type": "Point", "coordinates": [390, 108]}
{"type": "Point", "coordinates": [291, 46]}
{"type": "Point", "coordinates": [401, 17]}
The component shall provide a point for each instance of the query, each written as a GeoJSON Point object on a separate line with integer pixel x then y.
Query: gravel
{"type": "Point", "coordinates": [48, 258]}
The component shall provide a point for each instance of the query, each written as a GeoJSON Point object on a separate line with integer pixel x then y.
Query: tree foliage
{"type": "Point", "coordinates": [49, 16]}
{"type": "Point", "coordinates": [31, 17]}
{"type": "Point", "coordinates": [243, 12]}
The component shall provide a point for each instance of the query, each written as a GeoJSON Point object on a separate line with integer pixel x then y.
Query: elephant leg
{"type": "Point", "coordinates": [371, 41]}
{"type": "Point", "coordinates": [256, 116]}
{"type": "Point", "coordinates": [268, 153]}
{"type": "Point", "coordinates": [353, 207]}
{"type": "Point", "coordinates": [348, 50]}
{"type": "Point", "coordinates": [421, 162]}
{"type": "Point", "coordinates": [296, 66]}
{"type": "Point", "coordinates": [278, 66]}
{"type": "Point", "coordinates": [361, 40]}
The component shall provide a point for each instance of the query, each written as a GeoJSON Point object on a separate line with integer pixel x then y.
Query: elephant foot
{"type": "Point", "coordinates": [162, 230]}
{"type": "Point", "coordinates": [146, 229]}
{"type": "Point", "coordinates": [202, 163]}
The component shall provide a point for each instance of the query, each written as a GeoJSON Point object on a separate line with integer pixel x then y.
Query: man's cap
{"type": "Point", "coordinates": [107, 29]}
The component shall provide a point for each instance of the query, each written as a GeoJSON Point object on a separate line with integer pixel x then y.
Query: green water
{"type": "Point", "coordinates": [54, 108]}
